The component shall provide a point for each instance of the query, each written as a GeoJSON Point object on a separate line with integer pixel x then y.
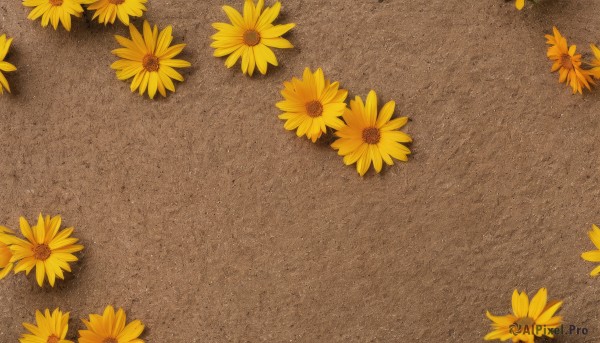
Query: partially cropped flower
{"type": "Point", "coordinates": [55, 11]}
{"type": "Point", "coordinates": [567, 63]}
{"type": "Point", "coordinates": [371, 137]}
{"type": "Point", "coordinates": [595, 71]}
{"type": "Point", "coordinates": [149, 60]}
{"type": "Point", "coordinates": [312, 105]}
{"type": "Point", "coordinates": [251, 36]}
{"type": "Point", "coordinates": [520, 4]}
{"type": "Point", "coordinates": [45, 248]}
{"type": "Point", "coordinates": [107, 11]}
{"type": "Point", "coordinates": [6, 239]}
{"type": "Point", "coordinates": [49, 328]}
{"type": "Point", "coordinates": [110, 328]}
{"type": "Point", "coordinates": [5, 66]}
{"type": "Point", "coordinates": [528, 320]}
{"type": "Point", "coordinates": [594, 255]}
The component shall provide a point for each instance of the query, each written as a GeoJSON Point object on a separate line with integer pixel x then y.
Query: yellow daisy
{"type": "Point", "coordinates": [53, 11]}
{"type": "Point", "coordinates": [567, 63]}
{"type": "Point", "coordinates": [6, 239]}
{"type": "Point", "coordinates": [312, 104]}
{"type": "Point", "coordinates": [370, 137]}
{"type": "Point", "coordinates": [108, 10]}
{"type": "Point", "coordinates": [110, 328]}
{"type": "Point", "coordinates": [251, 36]}
{"type": "Point", "coordinates": [520, 4]}
{"type": "Point", "coordinates": [595, 71]}
{"type": "Point", "coordinates": [594, 255]}
{"type": "Point", "coordinates": [5, 66]}
{"type": "Point", "coordinates": [46, 248]}
{"type": "Point", "coordinates": [50, 328]}
{"type": "Point", "coordinates": [149, 60]}
{"type": "Point", "coordinates": [528, 320]}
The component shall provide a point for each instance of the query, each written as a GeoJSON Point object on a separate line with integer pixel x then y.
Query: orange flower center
{"type": "Point", "coordinates": [41, 252]}
{"type": "Point", "coordinates": [566, 61]}
{"type": "Point", "coordinates": [151, 63]}
{"type": "Point", "coordinates": [251, 37]}
{"type": "Point", "coordinates": [116, 2]}
{"type": "Point", "coordinates": [110, 340]}
{"type": "Point", "coordinates": [56, 2]}
{"type": "Point", "coordinates": [525, 321]}
{"type": "Point", "coordinates": [371, 135]}
{"type": "Point", "coordinates": [53, 339]}
{"type": "Point", "coordinates": [314, 109]}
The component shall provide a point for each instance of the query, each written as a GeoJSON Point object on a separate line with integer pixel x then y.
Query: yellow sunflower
{"type": "Point", "coordinates": [108, 10]}
{"type": "Point", "coordinates": [370, 137]}
{"type": "Point", "coordinates": [5, 66]}
{"type": "Point", "coordinates": [110, 328]}
{"type": "Point", "coordinates": [149, 60]}
{"type": "Point", "coordinates": [50, 328]}
{"type": "Point", "coordinates": [528, 320]}
{"type": "Point", "coordinates": [6, 239]}
{"type": "Point", "coordinates": [567, 63]}
{"type": "Point", "coordinates": [595, 71]}
{"type": "Point", "coordinates": [312, 104]}
{"type": "Point", "coordinates": [594, 255]}
{"type": "Point", "coordinates": [46, 248]}
{"type": "Point", "coordinates": [251, 36]}
{"type": "Point", "coordinates": [55, 11]}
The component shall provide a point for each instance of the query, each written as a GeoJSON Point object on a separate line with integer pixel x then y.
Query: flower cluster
{"type": "Point", "coordinates": [535, 318]}
{"type": "Point", "coordinates": [147, 59]}
{"type": "Point", "coordinates": [108, 327]}
{"type": "Point", "coordinates": [106, 11]}
{"type": "Point", "coordinates": [365, 134]}
{"type": "Point", "coordinates": [50, 251]}
{"type": "Point", "coordinates": [568, 63]}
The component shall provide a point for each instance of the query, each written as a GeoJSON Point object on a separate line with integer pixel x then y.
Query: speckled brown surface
{"type": "Point", "coordinates": [208, 221]}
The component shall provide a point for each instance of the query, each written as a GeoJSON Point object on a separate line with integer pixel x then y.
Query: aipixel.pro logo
{"type": "Point", "coordinates": [542, 330]}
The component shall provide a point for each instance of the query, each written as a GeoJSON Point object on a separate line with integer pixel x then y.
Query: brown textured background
{"type": "Point", "coordinates": [205, 219]}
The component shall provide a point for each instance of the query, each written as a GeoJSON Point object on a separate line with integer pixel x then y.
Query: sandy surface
{"type": "Point", "coordinates": [208, 221]}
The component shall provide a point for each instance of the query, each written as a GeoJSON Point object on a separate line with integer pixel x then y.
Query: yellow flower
{"type": "Point", "coordinates": [595, 71]}
{"type": "Point", "coordinates": [110, 328]}
{"type": "Point", "coordinates": [6, 239]}
{"type": "Point", "coordinates": [567, 63]}
{"type": "Point", "coordinates": [53, 11]}
{"type": "Point", "coordinates": [251, 36]}
{"type": "Point", "coordinates": [46, 248]}
{"type": "Point", "coordinates": [312, 104]}
{"type": "Point", "coordinates": [520, 4]}
{"type": "Point", "coordinates": [528, 320]}
{"type": "Point", "coordinates": [5, 66]}
{"type": "Point", "coordinates": [149, 60]}
{"type": "Point", "coordinates": [50, 328]}
{"type": "Point", "coordinates": [370, 137]}
{"type": "Point", "coordinates": [594, 255]}
{"type": "Point", "coordinates": [108, 10]}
